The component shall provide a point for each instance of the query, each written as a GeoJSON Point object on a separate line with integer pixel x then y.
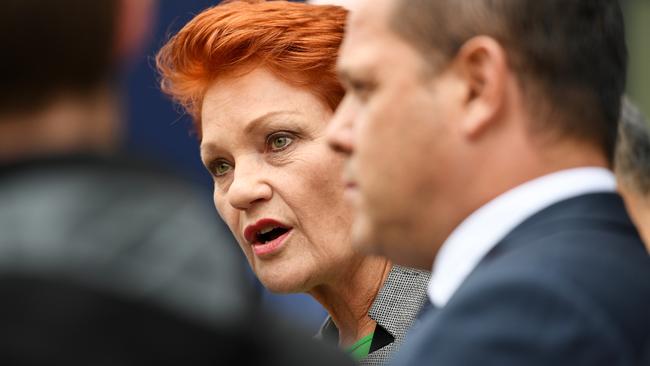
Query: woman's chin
{"type": "Point", "coordinates": [283, 284]}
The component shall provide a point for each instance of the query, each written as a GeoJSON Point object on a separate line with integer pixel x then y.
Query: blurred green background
{"type": "Point", "coordinates": [637, 18]}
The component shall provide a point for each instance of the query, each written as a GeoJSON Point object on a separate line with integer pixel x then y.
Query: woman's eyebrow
{"type": "Point", "coordinates": [256, 122]}
{"type": "Point", "coordinates": [207, 148]}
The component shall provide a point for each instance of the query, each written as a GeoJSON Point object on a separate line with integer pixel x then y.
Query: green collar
{"type": "Point", "coordinates": [361, 348]}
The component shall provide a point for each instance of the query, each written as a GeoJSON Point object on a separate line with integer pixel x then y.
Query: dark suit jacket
{"type": "Point", "coordinates": [569, 286]}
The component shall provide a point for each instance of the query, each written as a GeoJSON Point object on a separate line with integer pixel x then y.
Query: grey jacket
{"type": "Point", "coordinates": [395, 308]}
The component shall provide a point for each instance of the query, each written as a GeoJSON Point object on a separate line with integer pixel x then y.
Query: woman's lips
{"type": "Point", "coordinates": [269, 248]}
{"type": "Point", "coordinates": [251, 231]}
{"type": "Point", "coordinates": [266, 236]}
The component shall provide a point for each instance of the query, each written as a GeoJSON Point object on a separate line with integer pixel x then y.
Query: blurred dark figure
{"type": "Point", "coordinates": [58, 62]}
{"type": "Point", "coordinates": [633, 167]}
{"type": "Point", "coordinates": [104, 261]}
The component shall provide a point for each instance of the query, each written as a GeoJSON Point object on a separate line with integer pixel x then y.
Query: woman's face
{"type": "Point", "coordinates": [276, 183]}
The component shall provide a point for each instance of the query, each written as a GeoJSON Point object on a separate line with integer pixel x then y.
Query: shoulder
{"type": "Point", "coordinates": [602, 260]}
{"type": "Point", "coordinates": [536, 314]}
{"type": "Point", "coordinates": [508, 318]}
{"type": "Point", "coordinates": [86, 210]}
{"type": "Point", "coordinates": [83, 188]}
{"type": "Point", "coordinates": [587, 243]}
{"type": "Point", "coordinates": [569, 287]}
{"type": "Point", "coordinates": [576, 295]}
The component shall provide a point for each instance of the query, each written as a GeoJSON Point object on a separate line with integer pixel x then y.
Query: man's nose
{"type": "Point", "coordinates": [340, 131]}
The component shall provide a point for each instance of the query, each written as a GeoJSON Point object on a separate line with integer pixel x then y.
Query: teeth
{"type": "Point", "coordinates": [267, 230]}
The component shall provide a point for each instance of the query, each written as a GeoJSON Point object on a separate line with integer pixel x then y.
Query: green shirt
{"type": "Point", "coordinates": [361, 348]}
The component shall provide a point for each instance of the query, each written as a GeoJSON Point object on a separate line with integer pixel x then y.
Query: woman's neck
{"type": "Point", "coordinates": [349, 298]}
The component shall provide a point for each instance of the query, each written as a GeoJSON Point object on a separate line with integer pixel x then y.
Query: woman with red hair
{"type": "Point", "coordinates": [259, 80]}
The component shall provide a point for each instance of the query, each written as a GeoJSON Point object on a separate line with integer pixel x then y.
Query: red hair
{"type": "Point", "coordinates": [297, 42]}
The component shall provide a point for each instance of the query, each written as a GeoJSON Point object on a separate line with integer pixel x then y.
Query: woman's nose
{"type": "Point", "coordinates": [248, 187]}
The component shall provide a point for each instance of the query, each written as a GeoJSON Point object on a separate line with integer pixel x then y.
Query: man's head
{"type": "Point", "coordinates": [633, 166]}
{"type": "Point", "coordinates": [58, 62]}
{"type": "Point", "coordinates": [452, 103]}
{"type": "Point", "coordinates": [45, 54]}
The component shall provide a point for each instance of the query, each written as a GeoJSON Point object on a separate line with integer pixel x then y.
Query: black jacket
{"type": "Point", "coordinates": [569, 286]}
{"type": "Point", "coordinates": [109, 262]}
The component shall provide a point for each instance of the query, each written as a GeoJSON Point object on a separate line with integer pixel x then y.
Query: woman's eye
{"type": "Point", "coordinates": [221, 168]}
{"type": "Point", "coordinates": [279, 142]}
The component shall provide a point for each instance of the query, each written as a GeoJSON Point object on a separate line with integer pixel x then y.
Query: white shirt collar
{"type": "Point", "coordinates": [485, 227]}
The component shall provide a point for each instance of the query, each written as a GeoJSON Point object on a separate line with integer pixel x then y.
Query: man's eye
{"type": "Point", "coordinates": [361, 89]}
{"type": "Point", "coordinates": [221, 168]}
{"type": "Point", "coordinates": [279, 142]}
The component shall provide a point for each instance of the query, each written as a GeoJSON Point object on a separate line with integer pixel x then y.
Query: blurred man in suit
{"type": "Point", "coordinates": [480, 137]}
{"type": "Point", "coordinates": [633, 167]}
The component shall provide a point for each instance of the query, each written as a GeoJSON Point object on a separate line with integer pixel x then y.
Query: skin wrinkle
{"type": "Point", "coordinates": [289, 50]}
{"type": "Point", "coordinates": [340, 310]}
{"type": "Point", "coordinates": [299, 185]}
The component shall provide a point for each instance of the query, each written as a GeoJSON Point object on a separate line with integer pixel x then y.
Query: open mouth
{"type": "Point", "coordinates": [269, 234]}
{"type": "Point", "coordinates": [267, 237]}
{"type": "Point", "coordinates": [265, 231]}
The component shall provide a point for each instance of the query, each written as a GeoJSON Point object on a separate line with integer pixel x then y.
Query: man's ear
{"type": "Point", "coordinates": [135, 19]}
{"type": "Point", "coordinates": [482, 66]}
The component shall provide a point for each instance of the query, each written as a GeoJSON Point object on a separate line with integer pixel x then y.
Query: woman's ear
{"type": "Point", "coordinates": [482, 66]}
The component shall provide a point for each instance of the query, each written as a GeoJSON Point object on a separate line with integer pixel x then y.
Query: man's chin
{"type": "Point", "coordinates": [367, 247]}
{"type": "Point", "coordinates": [369, 237]}
{"type": "Point", "coordinates": [363, 238]}
{"type": "Point", "coordinates": [405, 259]}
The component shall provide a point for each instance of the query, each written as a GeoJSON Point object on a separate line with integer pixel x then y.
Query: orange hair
{"type": "Point", "coordinates": [297, 42]}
